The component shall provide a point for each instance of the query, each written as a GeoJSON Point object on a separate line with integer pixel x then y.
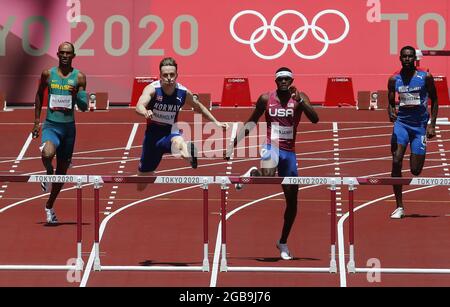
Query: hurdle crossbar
{"type": "Point", "coordinates": [352, 182]}
{"type": "Point", "coordinates": [330, 181]}
{"type": "Point", "coordinates": [78, 180]}
{"type": "Point", "coordinates": [203, 181]}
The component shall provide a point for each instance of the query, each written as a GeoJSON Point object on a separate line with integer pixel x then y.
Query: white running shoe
{"type": "Point", "coordinates": [284, 251]}
{"type": "Point", "coordinates": [398, 213]}
{"type": "Point", "coordinates": [51, 216]}
{"type": "Point", "coordinates": [45, 186]}
{"type": "Point", "coordinates": [239, 186]}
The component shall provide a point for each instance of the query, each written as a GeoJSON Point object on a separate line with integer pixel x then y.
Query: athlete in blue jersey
{"type": "Point", "coordinates": [66, 88]}
{"type": "Point", "coordinates": [160, 104]}
{"type": "Point", "coordinates": [414, 87]}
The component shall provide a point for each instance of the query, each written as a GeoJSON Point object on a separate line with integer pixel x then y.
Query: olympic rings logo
{"type": "Point", "coordinates": [374, 181]}
{"type": "Point", "coordinates": [296, 37]}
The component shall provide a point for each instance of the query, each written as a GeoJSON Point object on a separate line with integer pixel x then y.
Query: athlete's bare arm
{"type": "Point", "coordinates": [431, 88]}
{"type": "Point", "coordinates": [38, 102]}
{"type": "Point", "coordinates": [307, 108]}
{"type": "Point", "coordinates": [259, 110]}
{"type": "Point", "coordinates": [391, 98]}
{"type": "Point", "coordinates": [144, 100]}
{"type": "Point", "coordinates": [198, 107]}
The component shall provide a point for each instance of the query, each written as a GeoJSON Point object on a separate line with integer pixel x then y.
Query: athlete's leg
{"type": "Point", "coordinates": [416, 163]}
{"type": "Point", "coordinates": [418, 150]}
{"type": "Point", "coordinates": [290, 213]}
{"type": "Point", "coordinates": [51, 138]}
{"type": "Point", "coordinates": [267, 169]}
{"type": "Point", "coordinates": [151, 156]}
{"type": "Point", "coordinates": [287, 167]}
{"type": "Point", "coordinates": [61, 169]}
{"type": "Point", "coordinates": [186, 150]}
{"type": "Point", "coordinates": [48, 152]}
{"type": "Point", "coordinates": [64, 154]}
{"type": "Point", "coordinates": [399, 143]}
{"type": "Point", "coordinates": [142, 186]}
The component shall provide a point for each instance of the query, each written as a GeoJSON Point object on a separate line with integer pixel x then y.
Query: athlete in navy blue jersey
{"type": "Point", "coordinates": [160, 104]}
{"type": "Point", "coordinates": [414, 87]}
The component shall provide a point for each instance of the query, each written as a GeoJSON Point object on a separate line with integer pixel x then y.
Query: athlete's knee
{"type": "Point", "coordinates": [177, 142]}
{"type": "Point", "coordinates": [397, 159]}
{"type": "Point", "coordinates": [416, 171]}
{"type": "Point", "coordinates": [268, 172]}
{"type": "Point", "coordinates": [48, 153]}
{"type": "Point", "coordinates": [61, 170]}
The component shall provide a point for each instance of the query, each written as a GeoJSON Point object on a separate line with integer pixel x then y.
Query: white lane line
{"type": "Point", "coordinates": [341, 243]}
{"type": "Point", "coordinates": [132, 135]}
{"type": "Point", "coordinates": [25, 147]}
{"type": "Point", "coordinates": [335, 127]}
{"type": "Point", "coordinates": [88, 269]}
{"type": "Point", "coordinates": [20, 157]}
{"type": "Point", "coordinates": [215, 268]}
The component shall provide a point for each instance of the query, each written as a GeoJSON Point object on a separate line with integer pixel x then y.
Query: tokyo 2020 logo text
{"type": "Point", "coordinates": [297, 36]}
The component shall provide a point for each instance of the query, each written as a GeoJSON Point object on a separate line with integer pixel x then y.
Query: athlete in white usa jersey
{"type": "Point", "coordinates": [283, 109]}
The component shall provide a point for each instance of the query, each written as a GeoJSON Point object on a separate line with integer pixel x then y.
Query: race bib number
{"type": "Point", "coordinates": [281, 132]}
{"type": "Point", "coordinates": [60, 102]}
{"type": "Point", "coordinates": [409, 99]}
{"type": "Point", "coordinates": [164, 117]}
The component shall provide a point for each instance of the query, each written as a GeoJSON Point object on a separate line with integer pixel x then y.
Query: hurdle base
{"type": "Point", "coordinates": [205, 267]}
{"type": "Point", "coordinates": [333, 266]}
{"type": "Point", "coordinates": [79, 264]}
{"type": "Point", "coordinates": [351, 266]}
{"type": "Point", "coordinates": [150, 268]}
{"type": "Point", "coordinates": [278, 269]}
{"type": "Point", "coordinates": [402, 270]}
{"type": "Point", "coordinates": [40, 267]}
{"type": "Point", "coordinates": [223, 265]}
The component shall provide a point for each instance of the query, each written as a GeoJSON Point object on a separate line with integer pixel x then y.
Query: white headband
{"type": "Point", "coordinates": [283, 73]}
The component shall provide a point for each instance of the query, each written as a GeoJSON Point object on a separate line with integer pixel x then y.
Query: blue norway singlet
{"type": "Point", "coordinates": [166, 108]}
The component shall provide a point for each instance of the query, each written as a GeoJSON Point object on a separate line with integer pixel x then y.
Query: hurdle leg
{"type": "Point", "coordinates": [79, 262]}
{"type": "Point", "coordinates": [97, 265]}
{"type": "Point", "coordinates": [205, 267]}
{"type": "Point", "coordinates": [351, 261]}
{"type": "Point", "coordinates": [333, 266]}
{"type": "Point", "coordinates": [223, 213]}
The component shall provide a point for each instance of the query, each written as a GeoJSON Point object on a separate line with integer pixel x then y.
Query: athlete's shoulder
{"type": "Point", "coordinates": [79, 72]}
{"type": "Point", "coordinates": [46, 72]}
{"type": "Point", "coordinates": [422, 74]}
{"type": "Point", "coordinates": [155, 84]}
{"type": "Point", "coordinates": [265, 97]}
{"type": "Point", "coordinates": [81, 76]}
{"type": "Point", "coordinates": [395, 74]}
{"type": "Point", "coordinates": [182, 87]}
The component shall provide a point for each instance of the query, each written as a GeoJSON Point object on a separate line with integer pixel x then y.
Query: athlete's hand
{"type": "Point", "coordinates": [431, 131]}
{"type": "Point", "coordinates": [148, 114]}
{"type": "Point", "coordinates": [224, 126]}
{"type": "Point", "coordinates": [73, 90]}
{"type": "Point", "coordinates": [227, 152]}
{"type": "Point", "coordinates": [393, 116]}
{"type": "Point", "coordinates": [295, 94]}
{"type": "Point", "coordinates": [35, 130]}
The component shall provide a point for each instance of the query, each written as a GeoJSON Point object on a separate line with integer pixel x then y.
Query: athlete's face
{"type": "Point", "coordinates": [168, 75]}
{"type": "Point", "coordinates": [283, 83]}
{"type": "Point", "coordinates": [65, 54]}
{"type": "Point", "coordinates": [408, 58]}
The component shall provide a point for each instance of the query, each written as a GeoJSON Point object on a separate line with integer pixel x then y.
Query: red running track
{"type": "Point", "coordinates": [167, 230]}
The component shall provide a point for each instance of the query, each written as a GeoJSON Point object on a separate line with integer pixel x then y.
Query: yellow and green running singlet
{"type": "Point", "coordinates": [60, 101]}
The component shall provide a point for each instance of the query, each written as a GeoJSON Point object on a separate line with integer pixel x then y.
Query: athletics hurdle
{"type": "Point", "coordinates": [312, 181]}
{"type": "Point", "coordinates": [78, 180]}
{"type": "Point", "coordinates": [354, 181]}
{"type": "Point", "coordinates": [202, 181]}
